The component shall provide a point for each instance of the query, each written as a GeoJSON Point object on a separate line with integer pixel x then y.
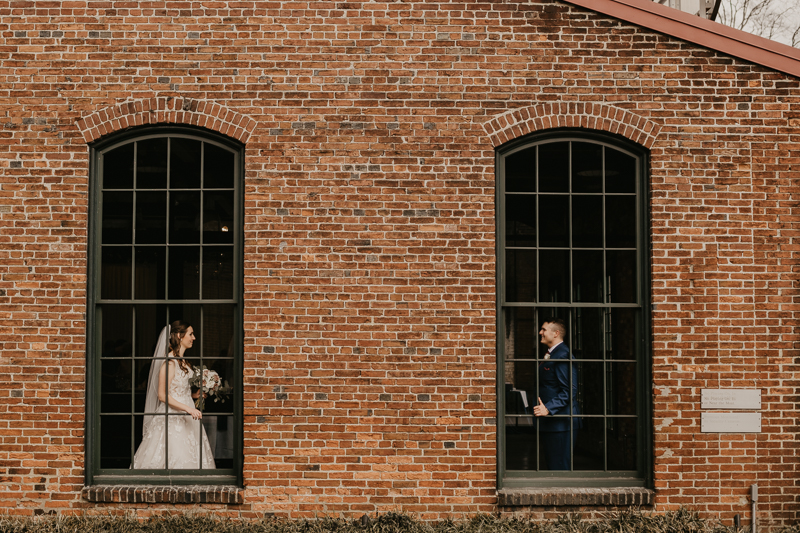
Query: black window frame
{"type": "Point", "coordinates": [93, 474]}
{"type": "Point", "coordinates": [643, 477]}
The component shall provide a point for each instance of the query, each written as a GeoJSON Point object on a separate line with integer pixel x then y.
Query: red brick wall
{"type": "Point", "coordinates": [369, 225]}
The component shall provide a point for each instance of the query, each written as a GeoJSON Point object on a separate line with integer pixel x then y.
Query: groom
{"type": "Point", "coordinates": [555, 397]}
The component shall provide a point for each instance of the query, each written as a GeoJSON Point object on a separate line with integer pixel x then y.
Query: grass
{"type": "Point", "coordinates": [632, 521]}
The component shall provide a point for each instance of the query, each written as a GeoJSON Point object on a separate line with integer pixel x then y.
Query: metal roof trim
{"type": "Point", "coordinates": [698, 30]}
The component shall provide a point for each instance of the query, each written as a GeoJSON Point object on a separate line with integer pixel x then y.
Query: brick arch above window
{"type": "Point", "coordinates": [519, 122]}
{"type": "Point", "coordinates": [205, 114]}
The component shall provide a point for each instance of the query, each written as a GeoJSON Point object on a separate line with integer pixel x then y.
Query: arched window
{"type": "Point", "coordinates": [166, 245]}
{"type": "Point", "coordinates": [572, 257]}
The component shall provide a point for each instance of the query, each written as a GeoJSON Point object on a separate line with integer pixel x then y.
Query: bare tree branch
{"type": "Point", "coordinates": [778, 20]}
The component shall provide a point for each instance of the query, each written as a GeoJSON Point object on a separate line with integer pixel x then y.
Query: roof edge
{"type": "Point", "coordinates": [701, 31]}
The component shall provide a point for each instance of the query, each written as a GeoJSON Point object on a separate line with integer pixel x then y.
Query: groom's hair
{"type": "Point", "coordinates": [556, 324]}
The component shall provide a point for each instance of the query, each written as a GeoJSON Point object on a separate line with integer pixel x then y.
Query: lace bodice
{"type": "Point", "coordinates": [179, 387]}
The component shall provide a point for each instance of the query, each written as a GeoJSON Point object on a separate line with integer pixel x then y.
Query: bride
{"type": "Point", "coordinates": [169, 384]}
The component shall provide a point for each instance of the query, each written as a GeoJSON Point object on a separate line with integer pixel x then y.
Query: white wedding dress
{"type": "Point", "coordinates": [184, 434]}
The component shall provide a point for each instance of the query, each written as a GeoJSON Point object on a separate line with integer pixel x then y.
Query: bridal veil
{"type": "Point", "coordinates": [151, 400]}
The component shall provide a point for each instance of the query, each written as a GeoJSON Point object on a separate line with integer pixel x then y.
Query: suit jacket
{"type": "Point", "coordinates": [554, 390]}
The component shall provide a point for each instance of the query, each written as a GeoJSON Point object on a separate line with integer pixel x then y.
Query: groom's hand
{"type": "Point", "coordinates": [540, 410]}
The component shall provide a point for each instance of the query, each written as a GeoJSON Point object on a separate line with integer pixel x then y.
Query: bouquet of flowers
{"type": "Point", "coordinates": [208, 383]}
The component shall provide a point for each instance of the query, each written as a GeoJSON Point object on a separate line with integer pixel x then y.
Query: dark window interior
{"type": "Point", "coordinates": [570, 240]}
{"type": "Point", "coordinates": [167, 252]}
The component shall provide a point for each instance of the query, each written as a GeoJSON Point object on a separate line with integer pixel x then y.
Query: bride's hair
{"type": "Point", "coordinates": [176, 332]}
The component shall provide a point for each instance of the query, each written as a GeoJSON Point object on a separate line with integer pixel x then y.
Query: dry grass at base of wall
{"type": "Point", "coordinates": [631, 521]}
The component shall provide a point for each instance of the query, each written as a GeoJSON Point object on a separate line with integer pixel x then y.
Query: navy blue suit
{"type": "Point", "coordinates": [554, 391]}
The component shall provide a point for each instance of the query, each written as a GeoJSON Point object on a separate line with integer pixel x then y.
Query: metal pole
{"type": "Point", "coordinates": [753, 499]}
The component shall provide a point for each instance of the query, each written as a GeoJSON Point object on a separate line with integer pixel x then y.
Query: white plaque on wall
{"type": "Point", "coordinates": [730, 399]}
{"type": "Point", "coordinates": [730, 422]}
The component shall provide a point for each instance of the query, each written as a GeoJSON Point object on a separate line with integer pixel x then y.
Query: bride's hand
{"type": "Point", "coordinates": [196, 414]}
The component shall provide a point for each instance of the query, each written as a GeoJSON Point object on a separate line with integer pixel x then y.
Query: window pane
{"type": "Point", "coordinates": [554, 221]}
{"type": "Point", "coordinates": [115, 441]}
{"type": "Point", "coordinates": [520, 220]}
{"type": "Point", "coordinates": [218, 331]}
{"type": "Point", "coordinates": [587, 276]}
{"type": "Point", "coordinates": [587, 167]}
{"type": "Point", "coordinates": [546, 314]}
{"type": "Point", "coordinates": [554, 167]}
{"type": "Point", "coordinates": [521, 443]}
{"type": "Point", "coordinates": [118, 168]}
{"type": "Point", "coordinates": [520, 386]}
{"type": "Point", "coordinates": [205, 453]}
{"type": "Point", "coordinates": [219, 403]}
{"type": "Point", "coordinates": [218, 217]}
{"type": "Point", "coordinates": [177, 456]}
{"type": "Point", "coordinates": [218, 272]}
{"type": "Point", "coordinates": [521, 171]}
{"type": "Point", "coordinates": [151, 164]}
{"type": "Point", "coordinates": [622, 275]}
{"type": "Point", "coordinates": [219, 429]}
{"type": "Point", "coordinates": [620, 172]}
{"type": "Point", "coordinates": [117, 218]}
{"type": "Point", "coordinates": [151, 217]}
{"type": "Point", "coordinates": [184, 272]}
{"type": "Point", "coordinates": [191, 314]}
{"type": "Point", "coordinates": [150, 319]}
{"type": "Point", "coordinates": [554, 375]}
{"type": "Point", "coordinates": [115, 273]}
{"type": "Point", "coordinates": [587, 334]}
{"type": "Point", "coordinates": [218, 167]}
{"type": "Point", "coordinates": [587, 221]}
{"type": "Point", "coordinates": [622, 451]}
{"type": "Point", "coordinates": [137, 433]}
{"type": "Point", "coordinates": [554, 276]}
{"type": "Point", "coordinates": [115, 385]}
{"type": "Point", "coordinates": [621, 388]}
{"type": "Point", "coordinates": [521, 275]}
{"type": "Point", "coordinates": [555, 449]}
{"type": "Point", "coordinates": [142, 374]}
{"type": "Point", "coordinates": [621, 221]}
{"type": "Point", "coordinates": [589, 451]}
{"type": "Point", "coordinates": [623, 336]}
{"type": "Point", "coordinates": [184, 163]}
{"type": "Point", "coordinates": [184, 217]}
{"type": "Point", "coordinates": [521, 334]}
{"type": "Point", "coordinates": [151, 265]}
{"type": "Point", "coordinates": [591, 393]}
{"type": "Point", "coordinates": [117, 333]}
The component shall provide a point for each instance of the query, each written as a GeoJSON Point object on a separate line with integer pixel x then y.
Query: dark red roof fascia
{"type": "Point", "coordinates": [698, 30]}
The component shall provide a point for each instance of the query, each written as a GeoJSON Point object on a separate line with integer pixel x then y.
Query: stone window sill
{"type": "Point", "coordinates": [569, 496]}
{"type": "Point", "coordinates": [163, 494]}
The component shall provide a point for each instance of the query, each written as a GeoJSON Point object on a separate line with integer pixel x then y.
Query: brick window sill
{"type": "Point", "coordinates": [569, 496]}
{"type": "Point", "coordinates": [163, 494]}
